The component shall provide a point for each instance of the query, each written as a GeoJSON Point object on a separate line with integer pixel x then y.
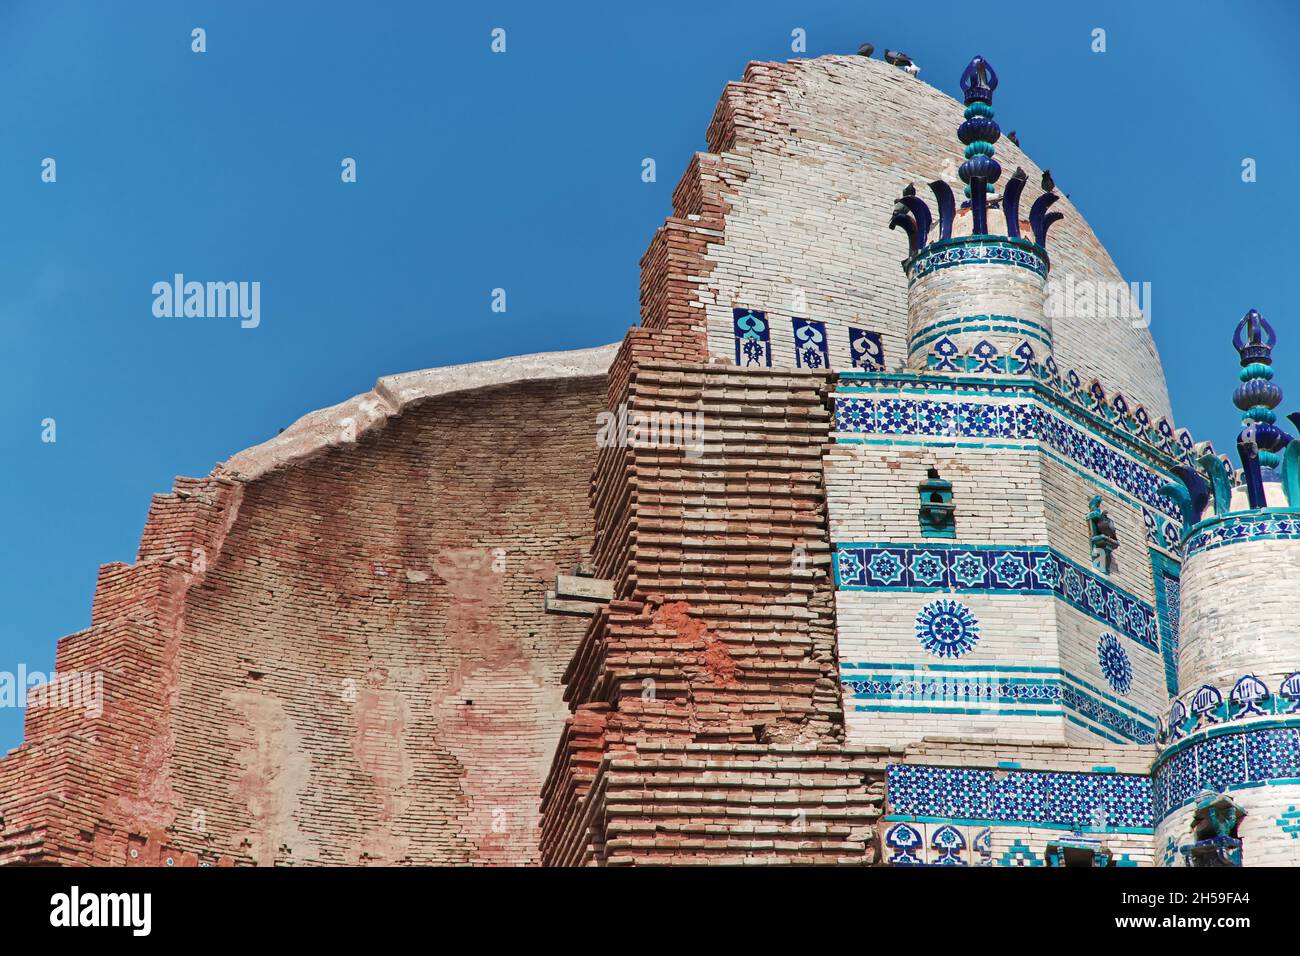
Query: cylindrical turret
{"type": "Point", "coordinates": [975, 302]}
{"type": "Point", "coordinates": [1240, 597]}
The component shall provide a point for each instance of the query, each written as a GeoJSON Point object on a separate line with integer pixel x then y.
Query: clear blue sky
{"type": "Point", "coordinates": [520, 171]}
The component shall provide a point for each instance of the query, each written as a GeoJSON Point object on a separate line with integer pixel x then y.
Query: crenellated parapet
{"type": "Point", "coordinates": [978, 133]}
{"type": "Point", "coordinates": [1113, 411]}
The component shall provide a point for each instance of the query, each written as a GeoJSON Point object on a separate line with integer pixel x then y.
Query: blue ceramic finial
{"type": "Point", "coordinates": [1260, 439]}
{"type": "Point", "coordinates": [1254, 339]}
{"type": "Point", "coordinates": [979, 81]}
{"type": "Point", "coordinates": [978, 134]}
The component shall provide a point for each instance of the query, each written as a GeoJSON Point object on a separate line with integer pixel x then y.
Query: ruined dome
{"type": "Point", "coordinates": [788, 214]}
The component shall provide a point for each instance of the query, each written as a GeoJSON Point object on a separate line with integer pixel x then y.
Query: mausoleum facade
{"type": "Point", "coordinates": [897, 558]}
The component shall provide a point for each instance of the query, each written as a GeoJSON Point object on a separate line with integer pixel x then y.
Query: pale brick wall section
{"type": "Point", "coordinates": [1238, 618]}
{"type": "Point", "coordinates": [1239, 615]}
{"type": "Point", "coordinates": [820, 150]}
{"type": "Point", "coordinates": [873, 497]}
{"type": "Point", "coordinates": [1264, 842]}
{"type": "Point", "coordinates": [982, 289]}
{"type": "Point", "coordinates": [1078, 634]}
{"type": "Point", "coordinates": [1066, 494]}
{"type": "Point", "coordinates": [1274, 497]}
{"type": "Point", "coordinates": [1004, 496]}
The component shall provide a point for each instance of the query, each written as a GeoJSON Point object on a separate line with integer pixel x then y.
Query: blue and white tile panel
{"type": "Point", "coordinates": [1226, 759]}
{"type": "Point", "coordinates": [759, 341]}
{"type": "Point", "coordinates": [965, 252]}
{"type": "Point", "coordinates": [995, 570]}
{"type": "Point", "coordinates": [908, 414]}
{"type": "Point", "coordinates": [1249, 698]}
{"type": "Point", "coordinates": [978, 690]}
{"type": "Point", "coordinates": [998, 844]}
{"type": "Point", "coordinates": [1265, 525]}
{"type": "Point", "coordinates": [1092, 802]}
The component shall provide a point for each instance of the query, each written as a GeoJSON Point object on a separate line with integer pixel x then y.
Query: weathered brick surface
{"type": "Point", "coordinates": [91, 787]}
{"type": "Point", "coordinates": [344, 660]}
{"type": "Point", "coordinates": [725, 804]}
{"type": "Point", "coordinates": [721, 631]}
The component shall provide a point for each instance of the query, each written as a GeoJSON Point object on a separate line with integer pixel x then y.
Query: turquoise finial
{"type": "Point", "coordinates": [980, 131]}
{"type": "Point", "coordinates": [978, 134]}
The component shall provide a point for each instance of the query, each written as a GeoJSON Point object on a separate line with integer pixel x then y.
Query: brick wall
{"type": "Point", "coordinates": [342, 660]}
{"type": "Point", "coordinates": [721, 632]}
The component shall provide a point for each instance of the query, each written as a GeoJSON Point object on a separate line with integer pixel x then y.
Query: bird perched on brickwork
{"type": "Point", "coordinates": [1013, 137]}
{"type": "Point", "coordinates": [866, 49]}
{"type": "Point", "coordinates": [902, 61]}
{"type": "Point", "coordinates": [895, 58]}
{"type": "Point", "coordinates": [1048, 183]}
{"type": "Point", "coordinates": [910, 190]}
{"type": "Point", "coordinates": [1106, 527]}
{"type": "Point", "coordinates": [1020, 174]}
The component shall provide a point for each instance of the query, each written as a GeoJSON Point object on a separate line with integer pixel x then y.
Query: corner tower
{"type": "Point", "coordinates": [1006, 563]}
{"type": "Point", "coordinates": [1225, 781]}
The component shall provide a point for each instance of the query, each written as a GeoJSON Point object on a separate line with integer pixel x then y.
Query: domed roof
{"type": "Point", "coordinates": [789, 214]}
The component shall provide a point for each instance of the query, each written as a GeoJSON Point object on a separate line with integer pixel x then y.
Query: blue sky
{"type": "Point", "coordinates": [520, 171]}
